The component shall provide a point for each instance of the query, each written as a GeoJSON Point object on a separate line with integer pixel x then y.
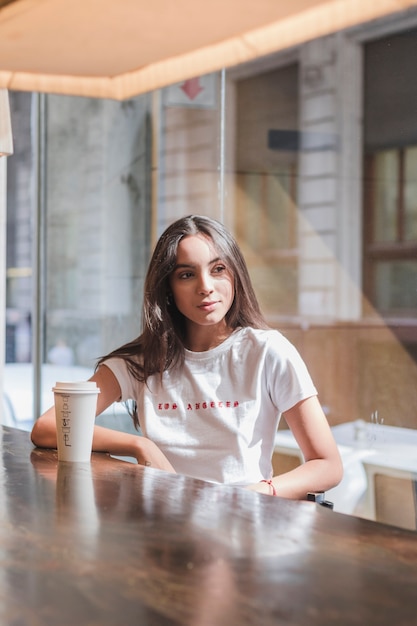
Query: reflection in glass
{"type": "Point", "coordinates": [386, 196]}
{"type": "Point", "coordinates": [396, 285]}
{"type": "Point", "coordinates": [266, 153]}
{"type": "Point", "coordinates": [410, 194]}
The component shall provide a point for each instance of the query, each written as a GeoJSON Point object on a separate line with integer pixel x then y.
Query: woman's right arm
{"type": "Point", "coordinates": [104, 440]}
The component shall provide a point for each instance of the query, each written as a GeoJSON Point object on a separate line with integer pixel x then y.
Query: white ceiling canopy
{"type": "Point", "coordinates": [121, 48]}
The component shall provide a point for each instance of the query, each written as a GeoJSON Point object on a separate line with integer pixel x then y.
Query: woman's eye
{"type": "Point", "coordinates": [218, 269]}
{"type": "Point", "coordinates": [184, 275]}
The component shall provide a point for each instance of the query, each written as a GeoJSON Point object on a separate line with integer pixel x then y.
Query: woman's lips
{"type": "Point", "coordinates": [207, 306]}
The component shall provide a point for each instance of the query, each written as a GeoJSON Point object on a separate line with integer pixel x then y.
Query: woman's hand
{"type": "Point", "coordinates": [105, 439]}
{"type": "Point", "coordinates": [262, 487]}
{"type": "Point", "coordinates": [147, 453]}
{"type": "Point", "coordinates": [322, 468]}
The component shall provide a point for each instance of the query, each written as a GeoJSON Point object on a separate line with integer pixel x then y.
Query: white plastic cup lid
{"type": "Point", "coordinates": [76, 386]}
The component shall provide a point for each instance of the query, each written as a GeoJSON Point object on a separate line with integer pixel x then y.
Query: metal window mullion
{"type": "Point", "coordinates": [39, 248]}
{"type": "Point", "coordinates": [222, 155]}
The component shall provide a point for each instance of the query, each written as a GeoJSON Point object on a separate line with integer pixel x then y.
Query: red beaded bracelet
{"type": "Point", "coordinates": [274, 491]}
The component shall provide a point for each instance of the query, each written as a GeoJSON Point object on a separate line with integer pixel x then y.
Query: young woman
{"type": "Point", "coordinates": [208, 378]}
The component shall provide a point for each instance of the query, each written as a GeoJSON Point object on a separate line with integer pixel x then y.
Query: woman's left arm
{"type": "Point", "coordinates": [322, 468]}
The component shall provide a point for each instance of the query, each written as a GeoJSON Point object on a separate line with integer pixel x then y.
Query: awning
{"type": "Point", "coordinates": [122, 48]}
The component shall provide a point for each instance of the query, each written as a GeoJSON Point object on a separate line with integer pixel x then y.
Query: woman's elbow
{"type": "Point", "coordinates": [43, 434]}
{"type": "Point", "coordinates": [336, 470]}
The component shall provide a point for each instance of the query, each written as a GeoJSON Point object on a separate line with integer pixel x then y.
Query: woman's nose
{"type": "Point", "coordinates": [205, 284]}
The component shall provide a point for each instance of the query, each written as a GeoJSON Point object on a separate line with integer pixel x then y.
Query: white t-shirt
{"type": "Point", "coordinates": [216, 418]}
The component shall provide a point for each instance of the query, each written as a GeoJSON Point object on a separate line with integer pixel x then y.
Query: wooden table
{"type": "Point", "coordinates": [115, 543]}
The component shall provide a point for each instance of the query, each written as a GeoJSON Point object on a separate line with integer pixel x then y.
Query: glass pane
{"type": "Point", "coordinates": [410, 195]}
{"type": "Point", "coordinates": [17, 380]}
{"type": "Point", "coordinates": [386, 196]}
{"type": "Point", "coordinates": [19, 235]}
{"type": "Point", "coordinates": [266, 185]}
{"type": "Point", "coordinates": [189, 155]}
{"type": "Point", "coordinates": [266, 231]}
{"type": "Point", "coordinates": [396, 286]}
{"type": "Point", "coordinates": [97, 231]}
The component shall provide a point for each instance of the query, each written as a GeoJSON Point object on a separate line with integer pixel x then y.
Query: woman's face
{"type": "Point", "coordinates": [202, 285]}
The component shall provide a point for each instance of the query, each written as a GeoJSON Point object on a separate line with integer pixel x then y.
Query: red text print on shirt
{"type": "Point", "coordinates": [196, 406]}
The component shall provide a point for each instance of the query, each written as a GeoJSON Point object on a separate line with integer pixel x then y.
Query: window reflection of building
{"type": "Point", "coordinates": [266, 185]}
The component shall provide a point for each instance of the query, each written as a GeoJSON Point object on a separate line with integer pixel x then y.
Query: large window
{"type": "Point", "coordinates": [78, 241]}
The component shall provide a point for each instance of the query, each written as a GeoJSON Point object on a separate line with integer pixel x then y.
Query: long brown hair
{"type": "Point", "coordinates": [160, 346]}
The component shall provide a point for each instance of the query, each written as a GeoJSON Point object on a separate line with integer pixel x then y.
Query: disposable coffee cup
{"type": "Point", "coordinates": [75, 412]}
